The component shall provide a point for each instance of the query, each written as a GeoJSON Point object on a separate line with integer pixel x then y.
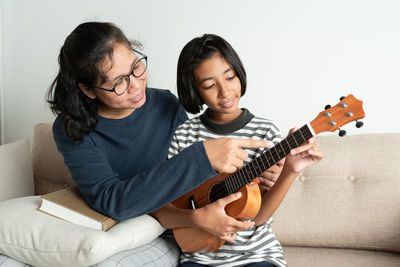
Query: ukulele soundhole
{"type": "Point", "coordinates": [218, 191]}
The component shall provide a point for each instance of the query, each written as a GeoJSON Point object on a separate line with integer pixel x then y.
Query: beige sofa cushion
{"type": "Point", "coordinates": [351, 199]}
{"type": "Point", "coordinates": [49, 171]}
{"type": "Point", "coordinates": [15, 170]}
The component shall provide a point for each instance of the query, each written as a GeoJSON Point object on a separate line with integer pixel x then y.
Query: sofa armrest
{"type": "Point", "coordinates": [16, 179]}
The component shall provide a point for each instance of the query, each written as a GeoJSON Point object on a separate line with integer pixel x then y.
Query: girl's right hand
{"type": "Point", "coordinates": [213, 219]}
{"type": "Point", "coordinates": [226, 154]}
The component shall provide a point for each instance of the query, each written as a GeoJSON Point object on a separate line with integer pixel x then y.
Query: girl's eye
{"type": "Point", "coordinates": [208, 87]}
{"type": "Point", "coordinates": [231, 78]}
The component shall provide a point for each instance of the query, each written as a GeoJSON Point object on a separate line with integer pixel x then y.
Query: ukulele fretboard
{"type": "Point", "coordinates": [267, 159]}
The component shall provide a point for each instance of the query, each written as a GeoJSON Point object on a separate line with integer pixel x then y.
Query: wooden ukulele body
{"type": "Point", "coordinates": [245, 208]}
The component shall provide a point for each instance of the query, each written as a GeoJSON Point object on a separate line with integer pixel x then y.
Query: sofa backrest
{"type": "Point", "coordinates": [350, 199]}
{"type": "Point", "coordinates": [49, 172]}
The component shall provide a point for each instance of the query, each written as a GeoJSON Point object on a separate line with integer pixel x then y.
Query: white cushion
{"type": "Point", "coordinates": [38, 239]}
{"type": "Point", "coordinates": [16, 176]}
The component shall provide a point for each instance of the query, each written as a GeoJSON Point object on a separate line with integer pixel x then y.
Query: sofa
{"type": "Point", "coordinates": [342, 211]}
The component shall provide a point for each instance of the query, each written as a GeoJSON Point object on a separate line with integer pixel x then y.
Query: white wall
{"type": "Point", "coordinates": [299, 55]}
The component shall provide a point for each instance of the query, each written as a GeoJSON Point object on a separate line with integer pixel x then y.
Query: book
{"type": "Point", "coordinates": [68, 204]}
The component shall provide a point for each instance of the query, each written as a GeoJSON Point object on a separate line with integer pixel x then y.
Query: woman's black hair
{"type": "Point", "coordinates": [80, 60]}
{"type": "Point", "coordinates": [194, 53]}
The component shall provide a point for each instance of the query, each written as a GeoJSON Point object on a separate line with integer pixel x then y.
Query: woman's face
{"type": "Point", "coordinates": [219, 87]}
{"type": "Point", "coordinates": [112, 105]}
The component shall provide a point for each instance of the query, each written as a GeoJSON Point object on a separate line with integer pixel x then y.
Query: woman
{"type": "Point", "coordinates": [114, 132]}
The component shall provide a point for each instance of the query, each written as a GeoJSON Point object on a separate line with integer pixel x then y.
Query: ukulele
{"type": "Point", "coordinates": [243, 180]}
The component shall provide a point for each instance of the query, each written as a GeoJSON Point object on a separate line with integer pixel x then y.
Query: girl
{"type": "Point", "coordinates": [114, 132]}
{"type": "Point", "coordinates": [210, 72]}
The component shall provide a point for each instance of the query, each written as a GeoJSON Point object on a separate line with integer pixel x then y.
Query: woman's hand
{"type": "Point", "coordinates": [302, 156]}
{"type": "Point", "coordinates": [213, 219]}
{"type": "Point", "coordinates": [226, 154]}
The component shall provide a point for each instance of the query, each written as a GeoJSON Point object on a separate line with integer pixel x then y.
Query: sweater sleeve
{"type": "Point", "coordinates": [141, 194]}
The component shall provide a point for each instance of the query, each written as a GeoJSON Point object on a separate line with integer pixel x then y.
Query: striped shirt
{"type": "Point", "coordinates": [257, 243]}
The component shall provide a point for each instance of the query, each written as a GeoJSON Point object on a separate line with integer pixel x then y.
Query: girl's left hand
{"type": "Point", "coordinates": [268, 178]}
{"type": "Point", "coordinates": [303, 156]}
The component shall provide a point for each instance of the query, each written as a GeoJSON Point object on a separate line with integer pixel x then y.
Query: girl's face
{"type": "Point", "coordinates": [112, 105]}
{"type": "Point", "coordinates": [219, 87]}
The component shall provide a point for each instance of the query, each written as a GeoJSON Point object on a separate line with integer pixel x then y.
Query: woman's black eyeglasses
{"type": "Point", "coordinates": [122, 85]}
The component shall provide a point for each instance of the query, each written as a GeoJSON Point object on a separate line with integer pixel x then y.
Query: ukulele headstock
{"type": "Point", "coordinates": [332, 118]}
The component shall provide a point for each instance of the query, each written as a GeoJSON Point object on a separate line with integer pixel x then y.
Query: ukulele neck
{"type": "Point", "coordinates": [267, 159]}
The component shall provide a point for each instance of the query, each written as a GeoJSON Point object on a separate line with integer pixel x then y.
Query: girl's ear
{"type": "Point", "coordinates": [86, 91]}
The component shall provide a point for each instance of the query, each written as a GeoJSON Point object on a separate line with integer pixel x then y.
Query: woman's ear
{"type": "Point", "coordinates": [89, 93]}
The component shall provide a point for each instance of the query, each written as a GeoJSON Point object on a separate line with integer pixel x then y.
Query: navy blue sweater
{"type": "Point", "coordinates": [121, 167]}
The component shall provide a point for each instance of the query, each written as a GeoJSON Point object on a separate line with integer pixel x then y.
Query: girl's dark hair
{"type": "Point", "coordinates": [80, 59]}
{"type": "Point", "coordinates": [194, 53]}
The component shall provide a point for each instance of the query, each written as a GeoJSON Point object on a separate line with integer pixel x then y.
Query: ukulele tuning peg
{"type": "Point", "coordinates": [341, 98]}
{"type": "Point", "coordinates": [342, 133]}
{"type": "Point", "coordinates": [359, 124]}
{"type": "Point", "coordinates": [327, 107]}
